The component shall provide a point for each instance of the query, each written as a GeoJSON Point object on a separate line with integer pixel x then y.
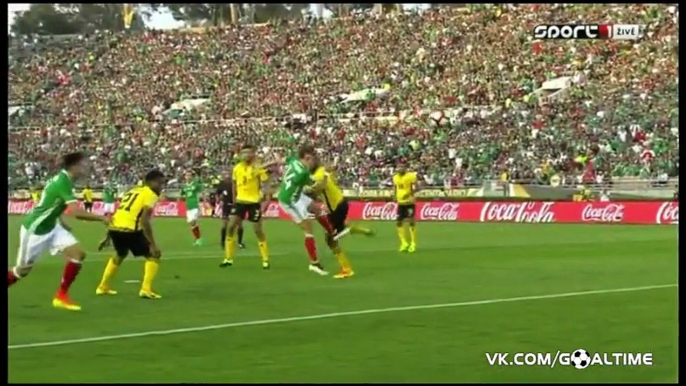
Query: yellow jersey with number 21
{"type": "Point", "coordinates": [128, 215]}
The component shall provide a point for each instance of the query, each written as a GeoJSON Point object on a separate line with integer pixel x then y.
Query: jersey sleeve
{"type": "Point", "coordinates": [65, 190]}
{"type": "Point", "coordinates": [149, 199]}
{"type": "Point", "coordinates": [413, 178]}
{"type": "Point", "coordinates": [263, 175]}
{"type": "Point", "coordinates": [319, 175]}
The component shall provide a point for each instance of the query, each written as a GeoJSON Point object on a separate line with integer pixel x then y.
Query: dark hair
{"type": "Point", "coordinates": [248, 146]}
{"type": "Point", "coordinates": [305, 150]}
{"type": "Point", "coordinates": [153, 175]}
{"type": "Point", "coordinates": [72, 159]}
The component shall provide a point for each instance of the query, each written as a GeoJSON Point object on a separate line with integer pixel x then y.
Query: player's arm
{"type": "Point", "coordinates": [146, 223]}
{"type": "Point", "coordinates": [414, 186]}
{"type": "Point", "coordinates": [64, 224]}
{"type": "Point", "coordinates": [234, 178]}
{"type": "Point", "coordinates": [67, 194]}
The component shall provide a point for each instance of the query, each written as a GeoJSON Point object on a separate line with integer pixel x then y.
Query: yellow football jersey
{"type": "Point", "coordinates": [128, 215]}
{"type": "Point", "coordinates": [248, 180]}
{"type": "Point", "coordinates": [404, 187]}
{"type": "Point", "coordinates": [87, 195]}
{"type": "Point", "coordinates": [332, 194]}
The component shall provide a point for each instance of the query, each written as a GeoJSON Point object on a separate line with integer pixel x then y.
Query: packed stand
{"type": "Point", "coordinates": [624, 103]}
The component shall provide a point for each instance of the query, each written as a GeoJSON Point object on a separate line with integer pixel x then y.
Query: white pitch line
{"type": "Point", "coordinates": [331, 315]}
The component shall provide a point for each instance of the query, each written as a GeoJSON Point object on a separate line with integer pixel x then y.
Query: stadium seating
{"type": "Point", "coordinates": [451, 90]}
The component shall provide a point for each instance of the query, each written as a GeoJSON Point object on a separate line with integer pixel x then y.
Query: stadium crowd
{"type": "Point", "coordinates": [449, 90]}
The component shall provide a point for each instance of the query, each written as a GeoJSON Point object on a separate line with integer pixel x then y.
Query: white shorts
{"type": "Point", "coordinates": [32, 246]}
{"type": "Point", "coordinates": [108, 207]}
{"type": "Point", "coordinates": [192, 215]}
{"type": "Point", "coordinates": [298, 210]}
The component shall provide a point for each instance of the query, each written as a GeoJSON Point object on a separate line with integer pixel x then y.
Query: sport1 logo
{"type": "Point", "coordinates": [567, 31]}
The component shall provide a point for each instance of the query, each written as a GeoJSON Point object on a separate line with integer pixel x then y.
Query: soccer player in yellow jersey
{"type": "Point", "coordinates": [131, 231]}
{"type": "Point", "coordinates": [247, 177]}
{"type": "Point", "coordinates": [87, 195]}
{"type": "Point", "coordinates": [35, 196]}
{"type": "Point", "coordinates": [326, 187]}
{"type": "Point", "coordinates": [405, 188]}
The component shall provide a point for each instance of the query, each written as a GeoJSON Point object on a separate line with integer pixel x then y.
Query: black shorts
{"type": "Point", "coordinates": [250, 212]}
{"type": "Point", "coordinates": [134, 242]}
{"type": "Point", "coordinates": [88, 205]}
{"type": "Point", "coordinates": [405, 211]}
{"type": "Point", "coordinates": [226, 210]}
{"type": "Point", "coordinates": [338, 216]}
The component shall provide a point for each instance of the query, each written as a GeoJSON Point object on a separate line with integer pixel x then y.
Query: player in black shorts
{"type": "Point", "coordinates": [212, 199]}
{"type": "Point", "coordinates": [224, 192]}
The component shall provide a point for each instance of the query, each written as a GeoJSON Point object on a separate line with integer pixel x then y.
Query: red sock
{"type": "Point", "coordinates": [71, 270]}
{"type": "Point", "coordinates": [311, 249]}
{"type": "Point", "coordinates": [196, 232]}
{"type": "Point", "coordinates": [11, 278]}
{"type": "Point", "coordinates": [324, 222]}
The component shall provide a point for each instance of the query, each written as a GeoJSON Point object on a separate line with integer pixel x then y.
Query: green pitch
{"type": "Point", "coordinates": [243, 324]}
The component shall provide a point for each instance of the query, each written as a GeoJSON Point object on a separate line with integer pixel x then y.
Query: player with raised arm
{"type": "Point", "coordinates": [43, 229]}
{"type": "Point", "coordinates": [295, 178]}
{"type": "Point", "coordinates": [247, 179]}
{"type": "Point", "coordinates": [405, 182]}
{"type": "Point", "coordinates": [131, 231]}
{"type": "Point", "coordinates": [191, 194]}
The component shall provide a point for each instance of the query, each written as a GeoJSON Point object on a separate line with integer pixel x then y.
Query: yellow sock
{"type": "Point", "coordinates": [229, 248]}
{"type": "Point", "coordinates": [401, 234]}
{"type": "Point", "coordinates": [151, 267]}
{"type": "Point", "coordinates": [264, 251]}
{"type": "Point", "coordinates": [343, 261]}
{"type": "Point", "coordinates": [110, 270]}
{"type": "Point", "coordinates": [413, 234]}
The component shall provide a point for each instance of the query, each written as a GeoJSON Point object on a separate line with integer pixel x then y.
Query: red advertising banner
{"type": "Point", "coordinates": [616, 212]}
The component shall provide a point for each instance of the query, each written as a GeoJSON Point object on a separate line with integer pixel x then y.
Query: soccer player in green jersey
{"type": "Point", "coordinates": [296, 178]}
{"type": "Point", "coordinates": [43, 230]}
{"type": "Point", "coordinates": [191, 194]}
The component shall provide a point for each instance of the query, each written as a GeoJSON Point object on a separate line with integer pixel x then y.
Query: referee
{"type": "Point", "coordinates": [224, 192]}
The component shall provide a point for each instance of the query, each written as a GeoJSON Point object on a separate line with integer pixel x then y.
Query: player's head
{"type": "Point", "coordinates": [401, 167]}
{"type": "Point", "coordinates": [155, 180]}
{"type": "Point", "coordinates": [73, 163]}
{"type": "Point", "coordinates": [188, 176]}
{"type": "Point", "coordinates": [248, 152]}
{"type": "Point", "coordinates": [316, 163]}
{"type": "Point", "coordinates": [307, 155]}
{"type": "Point", "coordinates": [87, 186]}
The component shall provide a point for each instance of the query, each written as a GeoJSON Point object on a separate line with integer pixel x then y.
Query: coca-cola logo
{"type": "Point", "coordinates": [444, 212]}
{"type": "Point", "coordinates": [608, 213]}
{"type": "Point", "coordinates": [379, 211]}
{"type": "Point", "coordinates": [668, 213]}
{"type": "Point", "coordinates": [272, 210]}
{"type": "Point", "coordinates": [19, 207]}
{"type": "Point", "coordinates": [529, 212]}
{"type": "Point", "coordinates": [167, 208]}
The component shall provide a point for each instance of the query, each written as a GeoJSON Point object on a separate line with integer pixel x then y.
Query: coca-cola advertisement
{"type": "Point", "coordinates": [615, 212]}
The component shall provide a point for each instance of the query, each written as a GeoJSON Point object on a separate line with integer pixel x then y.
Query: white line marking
{"type": "Point", "coordinates": [331, 315]}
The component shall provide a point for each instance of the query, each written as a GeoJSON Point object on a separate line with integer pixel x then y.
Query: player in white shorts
{"type": "Point", "coordinates": [108, 208]}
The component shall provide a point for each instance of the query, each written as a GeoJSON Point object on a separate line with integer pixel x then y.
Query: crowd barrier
{"type": "Point", "coordinates": [618, 212]}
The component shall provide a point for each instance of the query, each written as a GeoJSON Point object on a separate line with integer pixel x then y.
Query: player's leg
{"type": "Point", "coordinates": [226, 212]}
{"type": "Point", "coordinates": [230, 244]}
{"type": "Point", "coordinates": [63, 241]}
{"type": "Point", "coordinates": [255, 216]}
{"type": "Point", "coordinates": [108, 209]}
{"type": "Point", "coordinates": [120, 242]}
{"type": "Point", "coordinates": [337, 219]}
{"type": "Point", "coordinates": [192, 216]}
{"type": "Point", "coordinates": [301, 216]}
{"type": "Point", "coordinates": [356, 229]}
{"type": "Point", "coordinates": [141, 247]}
{"type": "Point", "coordinates": [31, 246]}
{"type": "Point", "coordinates": [239, 233]}
{"type": "Point", "coordinates": [413, 229]}
{"type": "Point", "coordinates": [321, 216]}
{"type": "Point", "coordinates": [401, 214]}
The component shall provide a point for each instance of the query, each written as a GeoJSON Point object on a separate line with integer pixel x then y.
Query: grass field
{"type": "Point", "coordinates": [471, 289]}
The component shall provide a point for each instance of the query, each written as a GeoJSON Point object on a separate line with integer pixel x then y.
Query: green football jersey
{"type": "Point", "coordinates": [295, 178]}
{"type": "Point", "coordinates": [191, 194]}
{"type": "Point", "coordinates": [57, 194]}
